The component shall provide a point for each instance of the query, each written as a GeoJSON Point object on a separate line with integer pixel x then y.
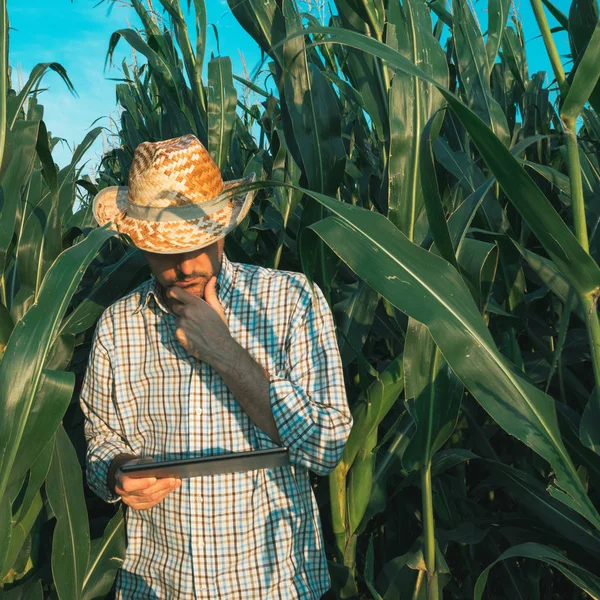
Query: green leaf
{"type": "Point", "coordinates": [369, 571]}
{"type": "Point", "coordinates": [478, 262]}
{"type": "Point", "coordinates": [6, 327]}
{"type": "Point", "coordinates": [585, 80]}
{"type": "Point", "coordinates": [497, 16]}
{"type": "Point", "coordinates": [31, 342]}
{"type": "Point", "coordinates": [311, 114]}
{"type": "Point", "coordinates": [433, 395]}
{"type": "Point", "coordinates": [15, 104]}
{"type": "Point", "coordinates": [23, 139]}
{"type": "Point", "coordinates": [21, 529]}
{"type": "Point", "coordinates": [106, 556]}
{"type": "Point", "coordinates": [5, 532]}
{"type": "Point", "coordinates": [357, 313]}
{"type": "Point", "coordinates": [583, 20]}
{"type": "Point", "coordinates": [47, 410]}
{"type": "Point", "coordinates": [557, 14]}
{"type": "Point", "coordinates": [4, 72]}
{"type": "Point", "coordinates": [535, 500]}
{"type": "Point", "coordinates": [411, 104]}
{"type": "Point", "coordinates": [30, 590]}
{"type": "Point", "coordinates": [365, 73]}
{"type": "Point", "coordinates": [560, 243]}
{"type": "Point", "coordinates": [71, 540]}
{"type": "Point", "coordinates": [263, 20]}
{"type": "Point", "coordinates": [381, 396]}
{"type": "Point", "coordinates": [475, 71]}
{"type": "Point", "coordinates": [222, 101]}
{"type": "Point", "coordinates": [578, 575]}
{"type": "Point", "coordinates": [34, 481]}
{"type": "Point", "coordinates": [360, 480]}
{"type": "Point", "coordinates": [429, 290]}
{"type": "Point", "coordinates": [66, 176]}
{"type": "Point", "coordinates": [114, 282]}
{"type": "Point", "coordinates": [433, 201]}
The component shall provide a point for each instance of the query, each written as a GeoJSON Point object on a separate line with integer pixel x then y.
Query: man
{"type": "Point", "coordinates": [210, 357]}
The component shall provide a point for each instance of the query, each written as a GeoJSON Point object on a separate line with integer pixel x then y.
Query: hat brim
{"type": "Point", "coordinates": [171, 237]}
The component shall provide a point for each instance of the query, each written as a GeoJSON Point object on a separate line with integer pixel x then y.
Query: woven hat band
{"type": "Point", "coordinates": [183, 212]}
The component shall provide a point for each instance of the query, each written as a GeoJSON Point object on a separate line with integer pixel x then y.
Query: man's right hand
{"type": "Point", "coordinates": [142, 493]}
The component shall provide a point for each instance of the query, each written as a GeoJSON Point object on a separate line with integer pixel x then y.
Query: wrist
{"type": "Point", "coordinates": [111, 475]}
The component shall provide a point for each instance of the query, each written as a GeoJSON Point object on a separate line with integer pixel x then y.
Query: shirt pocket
{"type": "Point", "coordinates": [154, 405]}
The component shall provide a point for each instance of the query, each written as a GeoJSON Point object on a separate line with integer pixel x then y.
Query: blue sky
{"type": "Point", "coordinates": [76, 34]}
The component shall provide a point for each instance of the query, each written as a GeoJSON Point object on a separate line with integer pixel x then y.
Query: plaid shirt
{"type": "Point", "coordinates": [253, 535]}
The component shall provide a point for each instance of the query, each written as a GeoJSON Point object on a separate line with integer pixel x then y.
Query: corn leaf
{"type": "Point", "coordinates": [585, 80]}
{"type": "Point", "coordinates": [583, 20]}
{"type": "Point", "coordinates": [311, 114]}
{"type": "Point", "coordinates": [412, 102]}
{"type": "Point", "coordinates": [497, 17]}
{"type": "Point", "coordinates": [15, 104]}
{"type": "Point", "coordinates": [222, 101]}
{"type": "Point", "coordinates": [71, 539]}
{"type": "Point", "coordinates": [30, 590]}
{"type": "Point", "coordinates": [433, 396]}
{"type": "Point", "coordinates": [428, 289]}
{"type": "Point", "coordinates": [531, 494]}
{"type": "Point", "coordinates": [106, 556]}
{"type": "Point", "coordinates": [433, 202]}
{"type": "Point", "coordinates": [54, 394]}
{"type": "Point", "coordinates": [560, 243]}
{"type": "Point", "coordinates": [31, 341]}
{"type": "Point", "coordinates": [578, 575]}
{"type": "Point", "coordinates": [474, 70]}
{"type": "Point", "coordinates": [23, 140]}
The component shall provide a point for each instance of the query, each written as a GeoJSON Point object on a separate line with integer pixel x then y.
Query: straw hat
{"type": "Point", "coordinates": [176, 200]}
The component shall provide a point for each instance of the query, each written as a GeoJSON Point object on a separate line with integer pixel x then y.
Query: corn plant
{"type": "Point", "coordinates": [54, 272]}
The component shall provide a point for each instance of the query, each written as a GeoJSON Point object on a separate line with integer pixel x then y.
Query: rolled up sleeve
{"type": "Point", "coordinates": [308, 397]}
{"type": "Point", "coordinates": [101, 426]}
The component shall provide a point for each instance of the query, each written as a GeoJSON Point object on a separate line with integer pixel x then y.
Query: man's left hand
{"type": "Point", "coordinates": [201, 324]}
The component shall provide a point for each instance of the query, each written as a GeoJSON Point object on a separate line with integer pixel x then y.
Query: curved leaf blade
{"type": "Point", "coordinates": [71, 540]}
{"type": "Point", "coordinates": [578, 575]}
{"type": "Point", "coordinates": [31, 342]}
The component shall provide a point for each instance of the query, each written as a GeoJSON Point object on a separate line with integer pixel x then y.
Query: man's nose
{"type": "Point", "coordinates": [187, 265]}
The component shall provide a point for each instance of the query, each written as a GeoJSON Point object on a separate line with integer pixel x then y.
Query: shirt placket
{"type": "Point", "coordinates": [199, 411]}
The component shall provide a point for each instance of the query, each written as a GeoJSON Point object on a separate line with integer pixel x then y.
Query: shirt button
{"type": "Point", "coordinates": [204, 589]}
{"type": "Point", "coordinates": [199, 498]}
{"type": "Point", "coordinates": [200, 544]}
{"type": "Point", "coordinates": [198, 411]}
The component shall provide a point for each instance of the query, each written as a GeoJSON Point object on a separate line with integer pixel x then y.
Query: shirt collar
{"type": "Point", "coordinates": [225, 283]}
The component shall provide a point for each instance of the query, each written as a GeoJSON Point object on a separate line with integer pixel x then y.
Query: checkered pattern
{"type": "Point", "coordinates": [253, 535]}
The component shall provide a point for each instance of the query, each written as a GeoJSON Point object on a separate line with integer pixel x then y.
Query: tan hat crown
{"type": "Point", "coordinates": [173, 173]}
{"type": "Point", "coordinates": [175, 200]}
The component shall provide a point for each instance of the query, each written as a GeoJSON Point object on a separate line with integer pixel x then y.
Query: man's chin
{"type": "Point", "coordinates": [196, 288]}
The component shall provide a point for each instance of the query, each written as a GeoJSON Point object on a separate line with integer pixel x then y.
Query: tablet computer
{"type": "Point", "coordinates": [234, 462]}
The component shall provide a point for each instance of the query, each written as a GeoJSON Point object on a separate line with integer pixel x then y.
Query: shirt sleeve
{"type": "Point", "coordinates": [101, 425]}
{"type": "Point", "coordinates": [308, 397]}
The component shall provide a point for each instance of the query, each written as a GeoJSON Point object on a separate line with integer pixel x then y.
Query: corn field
{"type": "Point", "coordinates": [447, 203]}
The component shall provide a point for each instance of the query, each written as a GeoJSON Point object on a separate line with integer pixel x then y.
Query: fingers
{"type": "Point", "coordinates": [131, 484]}
{"type": "Point", "coordinates": [181, 295]}
{"type": "Point", "coordinates": [140, 486]}
{"type": "Point", "coordinates": [181, 337]}
{"type": "Point", "coordinates": [151, 496]}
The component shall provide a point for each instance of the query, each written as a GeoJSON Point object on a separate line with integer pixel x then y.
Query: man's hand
{"type": "Point", "coordinates": [201, 324]}
{"type": "Point", "coordinates": [142, 493]}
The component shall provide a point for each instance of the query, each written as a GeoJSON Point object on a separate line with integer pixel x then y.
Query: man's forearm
{"type": "Point", "coordinates": [250, 385]}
